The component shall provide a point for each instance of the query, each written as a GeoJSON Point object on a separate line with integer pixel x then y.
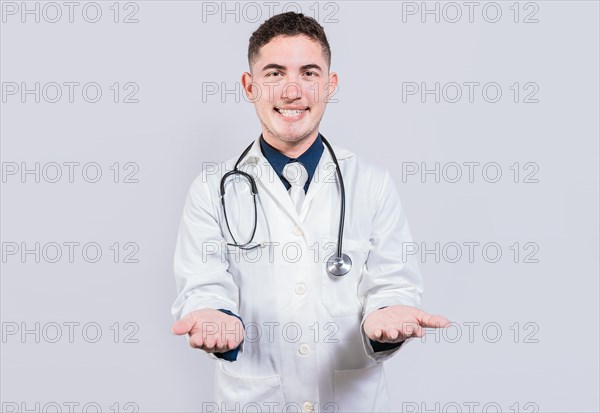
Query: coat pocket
{"type": "Point", "coordinates": [361, 390]}
{"type": "Point", "coordinates": [237, 393]}
{"type": "Point", "coordinates": [339, 294]}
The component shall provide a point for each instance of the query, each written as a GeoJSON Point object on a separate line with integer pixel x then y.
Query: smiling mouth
{"type": "Point", "coordinates": [290, 113]}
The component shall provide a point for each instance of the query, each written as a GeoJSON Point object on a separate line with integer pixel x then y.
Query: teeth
{"type": "Point", "coordinates": [286, 112]}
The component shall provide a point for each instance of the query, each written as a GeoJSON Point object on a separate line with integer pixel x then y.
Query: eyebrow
{"type": "Point", "coordinates": [302, 68]}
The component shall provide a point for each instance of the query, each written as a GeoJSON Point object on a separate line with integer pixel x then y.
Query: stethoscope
{"type": "Point", "coordinates": [339, 263]}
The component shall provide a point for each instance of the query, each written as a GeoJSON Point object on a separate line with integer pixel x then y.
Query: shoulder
{"type": "Point", "coordinates": [359, 168]}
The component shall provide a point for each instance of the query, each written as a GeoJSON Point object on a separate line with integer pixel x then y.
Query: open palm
{"type": "Point", "coordinates": [398, 322]}
{"type": "Point", "coordinates": [210, 330]}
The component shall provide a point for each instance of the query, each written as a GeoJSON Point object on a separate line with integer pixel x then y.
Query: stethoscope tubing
{"type": "Point", "coordinates": [341, 259]}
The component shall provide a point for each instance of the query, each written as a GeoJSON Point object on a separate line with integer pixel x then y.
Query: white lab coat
{"type": "Point", "coordinates": [305, 349]}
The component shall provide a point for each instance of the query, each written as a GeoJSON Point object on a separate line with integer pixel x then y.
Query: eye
{"type": "Point", "coordinates": [272, 74]}
{"type": "Point", "coordinates": [312, 73]}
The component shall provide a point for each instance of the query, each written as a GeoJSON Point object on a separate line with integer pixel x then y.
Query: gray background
{"type": "Point", "coordinates": [552, 363]}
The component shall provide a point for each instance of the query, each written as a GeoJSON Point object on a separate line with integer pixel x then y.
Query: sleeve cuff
{"type": "Point", "coordinates": [231, 355]}
{"type": "Point", "coordinates": [378, 347]}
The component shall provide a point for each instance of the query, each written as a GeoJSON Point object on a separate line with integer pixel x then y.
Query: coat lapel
{"type": "Point", "coordinates": [267, 180]}
{"type": "Point", "coordinates": [325, 175]}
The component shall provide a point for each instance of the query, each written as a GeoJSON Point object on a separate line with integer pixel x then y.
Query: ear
{"type": "Point", "coordinates": [248, 86]}
{"type": "Point", "coordinates": [332, 85]}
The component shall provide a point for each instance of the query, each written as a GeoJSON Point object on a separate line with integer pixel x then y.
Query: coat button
{"type": "Point", "coordinates": [300, 288]}
{"type": "Point", "coordinates": [298, 231]}
{"type": "Point", "coordinates": [303, 349]}
{"type": "Point", "coordinates": [308, 407]}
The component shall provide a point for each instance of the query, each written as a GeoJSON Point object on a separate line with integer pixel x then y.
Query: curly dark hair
{"type": "Point", "coordinates": [287, 24]}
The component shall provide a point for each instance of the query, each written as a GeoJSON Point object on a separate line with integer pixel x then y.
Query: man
{"type": "Point", "coordinates": [288, 335]}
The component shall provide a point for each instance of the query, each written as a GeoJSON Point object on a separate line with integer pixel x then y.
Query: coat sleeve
{"type": "Point", "coordinates": [200, 262]}
{"type": "Point", "coordinates": [390, 277]}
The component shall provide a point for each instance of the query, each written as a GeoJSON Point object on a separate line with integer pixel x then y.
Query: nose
{"type": "Point", "coordinates": [291, 91]}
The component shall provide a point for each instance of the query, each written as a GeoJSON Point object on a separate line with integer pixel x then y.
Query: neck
{"type": "Point", "coordinates": [291, 149]}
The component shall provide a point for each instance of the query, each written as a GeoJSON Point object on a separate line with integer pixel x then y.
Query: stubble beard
{"type": "Point", "coordinates": [292, 140]}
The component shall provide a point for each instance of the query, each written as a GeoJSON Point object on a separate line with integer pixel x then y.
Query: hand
{"type": "Point", "coordinates": [398, 322]}
{"type": "Point", "coordinates": [210, 330]}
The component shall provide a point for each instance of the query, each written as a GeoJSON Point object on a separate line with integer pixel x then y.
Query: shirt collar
{"type": "Point", "coordinates": [310, 158]}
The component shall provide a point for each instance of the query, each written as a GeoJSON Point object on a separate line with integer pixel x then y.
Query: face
{"type": "Point", "coordinates": [289, 84]}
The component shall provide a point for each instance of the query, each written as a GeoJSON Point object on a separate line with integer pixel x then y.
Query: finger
{"type": "Point", "coordinates": [232, 343]}
{"type": "Point", "coordinates": [377, 334]}
{"type": "Point", "coordinates": [196, 341]}
{"type": "Point", "coordinates": [221, 345]}
{"type": "Point", "coordinates": [218, 342]}
{"type": "Point", "coordinates": [183, 326]}
{"type": "Point", "coordinates": [392, 334]}
{"type": "Point", "coordinates": [210, 342]}
{"type": "Point", "coordinates": [228, 345]}
{"type": "Point", "coordinates": [418, 332]}
{"type": "Point", "coordinates": [217, 348]}
{"type": "Point", "coordinates": [433, 321]}
{"type": "Point", "coordinates": [224, 347]}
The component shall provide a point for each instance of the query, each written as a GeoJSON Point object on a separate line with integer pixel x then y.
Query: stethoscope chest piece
{"type": "Point", "coordinates": [338, 266]}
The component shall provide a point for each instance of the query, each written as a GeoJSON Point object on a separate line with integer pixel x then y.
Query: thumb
{"type": "Point", "coordinates": [183, 326]}
{"type": "Point", "coordinates": [433, 321]}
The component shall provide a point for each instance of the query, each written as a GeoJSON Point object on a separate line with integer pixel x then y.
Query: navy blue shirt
{"type": "Point", "coordinates": [309, 159]}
